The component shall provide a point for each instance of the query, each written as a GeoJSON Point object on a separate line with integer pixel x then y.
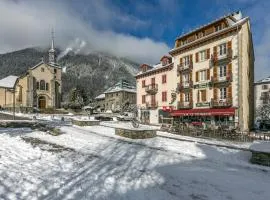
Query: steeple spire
{"type": "Point", "coordinates": [52, 56]}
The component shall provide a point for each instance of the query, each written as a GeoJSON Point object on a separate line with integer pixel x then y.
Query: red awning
{"type": "Point", "coordinates": [204, 112]}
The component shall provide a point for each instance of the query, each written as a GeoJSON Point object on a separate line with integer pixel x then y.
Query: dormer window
{"type": "Point", "coordinates": [164, 62]}
{"type": "Point", "coordinates": [218, 27]}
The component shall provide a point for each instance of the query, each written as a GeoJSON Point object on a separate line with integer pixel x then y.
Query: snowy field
{"type": "Point", "coordinates": [96, 164]}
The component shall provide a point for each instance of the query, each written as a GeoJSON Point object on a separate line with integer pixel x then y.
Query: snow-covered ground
{"type": "Point", "coordinates": [101, 165]}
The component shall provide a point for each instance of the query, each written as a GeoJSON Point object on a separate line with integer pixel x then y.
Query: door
{"type": "Point", "coordinates": [41, 102]}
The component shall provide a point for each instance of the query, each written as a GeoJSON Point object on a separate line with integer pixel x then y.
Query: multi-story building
{"type": "Point", "coordinates": [117, 96]}
{"type": "Point", "coordinates": [156, 90]}
{"type": "Point", "coordinates": [213, 66]}
{"type": "Point", "coordinates": [262, 92]}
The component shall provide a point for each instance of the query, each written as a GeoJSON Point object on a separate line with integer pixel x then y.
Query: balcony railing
{"type": "Point", "coordinates": [184, 85]}
{"type": "Point", "coordinates": [221, 103]}
{"type": "Point", "coordinates": [152, 105]}
{"type": "Point", "coordinates": [183, 67]}
{"type": "Point", "coordinates": [151, 89]}
{"type": "Point", "coordinates": [217, 58]}
{"type": "Point", "coordinates": [184, 105]}
{"type": "Point", "coordinates": [219, 79]}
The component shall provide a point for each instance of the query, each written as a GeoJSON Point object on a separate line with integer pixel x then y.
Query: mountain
{"type": "Point", "coordinates": [93, 73]}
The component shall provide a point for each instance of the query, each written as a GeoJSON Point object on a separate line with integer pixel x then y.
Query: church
{"type": "Point", "coordinates": [39, 87]}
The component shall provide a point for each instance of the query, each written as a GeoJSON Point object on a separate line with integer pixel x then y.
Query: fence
{"type": "Point", "coordinates": [219, 133]}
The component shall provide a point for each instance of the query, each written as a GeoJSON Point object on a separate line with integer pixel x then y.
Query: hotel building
{"type": "Point", "coordinates": [214, 72]}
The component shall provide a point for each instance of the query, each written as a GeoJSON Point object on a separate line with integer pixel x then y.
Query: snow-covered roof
{"type": "Point", "coordinates": [265, 80]}
{"type": "Point", "coordinates": [122, 85]}
{"type": "Point", "coordinates": [50, 64]}
{"type": "Point", "coordinates": [8, 82]}
{"type": "Point", "coordinates": [155, 67]}
{"type": "Point", "coordinates": [101, 96]}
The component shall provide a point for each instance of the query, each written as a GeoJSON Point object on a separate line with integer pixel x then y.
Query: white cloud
{"type": "Point", "coordinates": [28, 23]}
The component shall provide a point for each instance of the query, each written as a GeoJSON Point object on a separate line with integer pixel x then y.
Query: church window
{"type": "Point", "coordinates": [42, 69]}
{"type": "Point", "coordinates": [42, 85]}
{"type": "Point", "coordinates": [47, 86]}
{"type": "Point", "coordinates": [37, 85]}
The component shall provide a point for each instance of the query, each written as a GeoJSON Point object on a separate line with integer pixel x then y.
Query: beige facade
{"type": "Point", "coordinates": [39, 87]}
{"type": "Point", "coordinates": [212, 73]}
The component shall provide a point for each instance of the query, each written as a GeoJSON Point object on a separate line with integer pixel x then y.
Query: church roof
{"type": "Point", "coordinates": [122, 85]}
{"type": "Point", "coordinates": [50, 64]}
{"type": "Point", "coordinates": [8, 82]}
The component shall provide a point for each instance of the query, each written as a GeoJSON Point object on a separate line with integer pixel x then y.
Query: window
{"type": "Point", "coordinates": [164, 96]}
{"type": "Point", "coordinates": [186, 60]}
{"type": "Point", "coordinates": [47, 86]}
{"type": "Point", "coordinates": [203, 95]}
{"type": "Point", "coordinates": [143, 83]}
{"type": "Point", "coordinates": [55, 71]}
{"type": "Point", "coordinates": [186, 97]}
{"type": "Point", "coordinates": [222, 49]}
{"type": "Point", "coordinates": [222, 71]}
{"type": "Point", "coordinates": [153, 81]}
{"type": "Point", "coordinates": [164, 62]}
{"type": "Point", "coordinates": [143, 98]}
{"type": "Point", "coordinates": [184, 42]}
{"type": "Point", "coordinates": [42, 69]}
{"type": "Point", "coordinates": [164, 78]}
{"type": "Point", "coordinates": [223, 93]}
{"type": "Point", "coordinates": [218, 27]}
{"type": "Point", "coordinates": [202, 55]}
{"type": "Point", "coordinates": [42, 85]}
{"type": "Point", "coordinates": [203, 75]}
{"type": "Point", "coordinates": [37, 85]}
{"type": "Point", "coordinates": [264, 87]}
{"type": "Point", "coordinates": [186, 78]}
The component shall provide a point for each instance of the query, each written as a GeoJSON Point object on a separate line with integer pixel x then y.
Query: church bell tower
{"type": "Point", "coordinates": [52, 56]}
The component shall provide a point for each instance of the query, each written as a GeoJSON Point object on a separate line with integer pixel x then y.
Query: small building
{"type": "Point", "coordinates": [262, 92]}
{"type": "Point", "coordinates": [117, 96]}
{"type": "Point", "coordinates": [39, 87]}
{"type": "Point", "coordinates": [100, 102]}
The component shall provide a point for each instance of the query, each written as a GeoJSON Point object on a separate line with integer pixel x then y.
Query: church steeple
{"type": "Point", "coordinates": [52, 56]}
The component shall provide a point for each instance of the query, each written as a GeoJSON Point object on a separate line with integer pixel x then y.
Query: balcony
{"type": "Point", "coordinates": [184, 85]}
{"type": "Point", "coordinates": [151, 89]}
{"type": "Point", "coordinates": [215, 59]}
{"type": "Point", "coordinates": [152, 105]}
{"type": "Point", "coordinates": [184, 105]}
{"type": "Point", "coordinates": [221, 103]}
{"type": "Point", "coordinates": [223, 79]}
{"type": "Point", "coordinates": [183, 67]}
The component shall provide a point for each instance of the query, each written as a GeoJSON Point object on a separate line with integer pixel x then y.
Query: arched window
{"type": "Point", "coordinates": [42, 85]}
{"type": "Point", "coordinates": [47, 86]}
{"type": "Point", "coordinates": [37, 85]}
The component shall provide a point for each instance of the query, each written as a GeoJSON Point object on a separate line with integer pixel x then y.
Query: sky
{"type": "Point", "coordinates": [142, 30]}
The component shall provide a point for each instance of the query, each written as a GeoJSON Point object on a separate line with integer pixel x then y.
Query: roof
{"type": "Point", "coordinates": [8, 82]}
{"type": "Point", "coordinates": [154, 68]}
{"type": "Point", "coordinates": [265, 80]}
{"type": "Point", "coordinates": [122, 85]}
{"type": "Point", "coordinates": [50, 64]}
{"type": "Point", "coordinates": [101, 96]}
{"type": "Point", "coordinates": [205, 25]}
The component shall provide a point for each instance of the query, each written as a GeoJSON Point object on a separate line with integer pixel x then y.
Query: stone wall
{"type": "Point", "coordinates": [260, 158]}
{"type": "Point", "coordinates": [85, 122]}
{"type": "Point", "coordinates": [135, 134]}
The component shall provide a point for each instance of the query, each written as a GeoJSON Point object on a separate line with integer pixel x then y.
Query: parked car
{"type": "Point", "coordinates": [126, 116]}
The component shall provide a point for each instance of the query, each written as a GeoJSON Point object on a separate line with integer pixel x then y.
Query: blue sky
{"type": "Point", "coordinates": [142, 30]}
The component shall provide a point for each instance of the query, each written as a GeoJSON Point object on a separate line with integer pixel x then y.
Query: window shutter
{"type": "Point", "coordinates": [190, 76]}
{"type": "Point", "coordinates": [180, 78]}
{"type": "Point", "coordinates": [208, 54]}
{"type": "Point", "coordinates": [190, 58]}
{"type": "Point", "coordinates": [215, 93]}
{"type": "Point", "coordinates": [208, 74]}
{"type": "Point", "coordinates": [197, 57]}
{"type": "Point", "coordinates": [190, 96]}
{"type": "Point", "coordinates": [198, 96]}
{"type": "Point", "coordinates": [215, 51]}
{"type": "Point", "coordinates": [181, 61]}
{"type": "Point", "coordinates": [197, 76]}
{"type": "Point", "coordinates": [229, 92]}
{"type": "Point", "coordinates": [229, 45]}
{"type": "Point", "coordinates": [215, 72]}
{"type": "Point", "coordinates": [181, 97]}
{"type": "Point", "coordinates": [165, 94]}
{"type": "Point", "coordinates": [229, 69]}
{"type": "Point", "coordinates": [204, 95]}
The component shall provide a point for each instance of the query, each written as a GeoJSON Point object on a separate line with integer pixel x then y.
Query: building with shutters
{"type": "Point", "coordinates": [213, 72]}
{"type": "Point", "coordinates": [156, 90]}
{"type": "Point", "coordinates": [39, 87]}
{"type": "Point", "coordinates": [262, 92]}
